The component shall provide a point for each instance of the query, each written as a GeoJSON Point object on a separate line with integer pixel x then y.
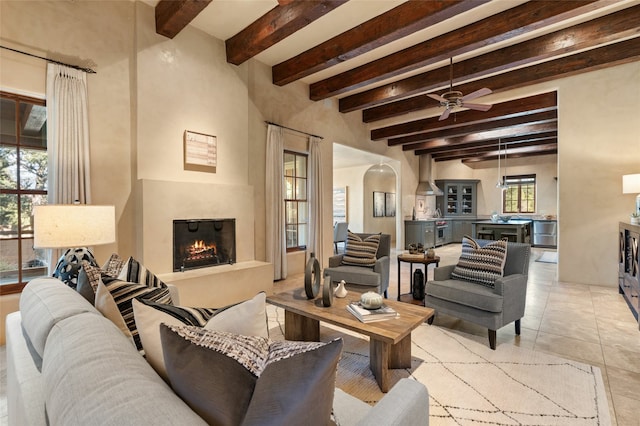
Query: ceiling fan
{"type": "Point", "coordinates": [453, 98]}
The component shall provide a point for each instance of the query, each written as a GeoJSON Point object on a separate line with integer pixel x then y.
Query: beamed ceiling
{"type": "Point", "coordinates": [382, 58]}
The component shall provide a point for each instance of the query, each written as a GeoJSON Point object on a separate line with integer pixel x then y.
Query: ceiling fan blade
{"type": "Point", "coordinates": [436, 97]}
{"type": "Point", "coordinates": [479, 107]}
{"type": "Point", "coordinates": [445, 114]}
{"type": "Point", "coordinates": [480, 92]}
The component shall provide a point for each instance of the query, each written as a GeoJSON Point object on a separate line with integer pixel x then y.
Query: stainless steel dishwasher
{"type": "Point", "coordinates": [545, 233]}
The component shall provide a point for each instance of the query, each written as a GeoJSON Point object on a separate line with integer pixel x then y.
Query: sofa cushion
{"type": "Point", "coordinates": [247, 318]}
{"type": "Point", "coordinates": [251, 380]}
{"type": "Point", "coordinates": [114, 301]}
{"type": "Point", "coordinates": [44, 302]}
{"type": "Point", "coordinates": [359, 251]}
{"type": "Point", "coordinates": [93, 375]}
{"type": "Point", "coordinates": [482, 265]}
{"type": "Point", "coordinates": [466, 293]}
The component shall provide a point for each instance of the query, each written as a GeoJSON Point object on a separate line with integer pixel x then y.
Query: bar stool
{"type": "Point", "coordinates": [486, 234]}
{"type": "Point", "coordinates": [510, 236]}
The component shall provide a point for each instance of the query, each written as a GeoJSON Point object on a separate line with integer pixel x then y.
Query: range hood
{"type": "Point", "coordinates": [426, 185]}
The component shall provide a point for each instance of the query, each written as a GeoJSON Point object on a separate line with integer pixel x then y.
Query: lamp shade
{"type": "Point", "coordinates": [631, 184]}
{"type": "Point", "coordinates": [73, 225]}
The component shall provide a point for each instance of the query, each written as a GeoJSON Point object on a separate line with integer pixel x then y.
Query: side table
{"type": "Point", "coordinates": [411, 259]}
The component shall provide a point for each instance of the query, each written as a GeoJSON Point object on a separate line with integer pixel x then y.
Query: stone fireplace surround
{"type": "Point", "coordinates": [160, 202]}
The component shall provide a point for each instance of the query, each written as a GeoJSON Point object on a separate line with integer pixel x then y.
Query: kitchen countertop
{"type": "Point", "coordinates": [511, 222]}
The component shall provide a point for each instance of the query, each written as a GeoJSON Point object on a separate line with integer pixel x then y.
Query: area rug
{"type": "Point", "coordinates": [470, 384]}
{"type": "Point", "coordinates": [548, 257]}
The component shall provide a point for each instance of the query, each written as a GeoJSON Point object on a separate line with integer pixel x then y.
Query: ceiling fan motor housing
{"type": "Point", "coordinates": [453, 99]}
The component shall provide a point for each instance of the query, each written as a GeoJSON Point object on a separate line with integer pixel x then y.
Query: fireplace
{"type": "Point", "coordinates": [200, 243]}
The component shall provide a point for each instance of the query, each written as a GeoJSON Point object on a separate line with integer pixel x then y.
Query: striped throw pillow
{"type": "Point", "coordinates": [481, 265]}
{"type": "Point", "coordinates": [361, 252]}
{"type": "Point", "coordinates": [135, 272]}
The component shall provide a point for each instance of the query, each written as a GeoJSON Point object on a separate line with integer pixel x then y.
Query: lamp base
{"type": "Point", "coordinates": [69, 265]}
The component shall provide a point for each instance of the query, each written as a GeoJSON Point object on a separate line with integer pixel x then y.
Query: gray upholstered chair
{"type": "Point", "coordinates": [489, 307]}
{"type": "Point", "coordinates": [361, 278]}
{"type": "Point", "coordinates": [340, 232]}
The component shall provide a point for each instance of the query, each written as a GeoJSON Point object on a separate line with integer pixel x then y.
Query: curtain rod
{"type": "Point", "coordinates": [87, 70]}
{"type": "Point", "coordinates": [294, 130]}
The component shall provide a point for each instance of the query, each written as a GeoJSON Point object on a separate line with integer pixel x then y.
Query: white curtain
{"type": "Point", "coordinates": [67, 136]}
{"type": "Point", "coordinates": [316, 230]}
{"type": "Point", "coordinates": [67, 139]}
{"type": "Point", "coordinates": [276, 249]}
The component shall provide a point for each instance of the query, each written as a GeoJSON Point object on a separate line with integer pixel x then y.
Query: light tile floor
{"type": "Point", "coordinates": [590, 324]}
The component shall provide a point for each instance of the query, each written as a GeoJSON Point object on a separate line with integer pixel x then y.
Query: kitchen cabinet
{"type": "Point", "coordinates": [419, 232]}
{"type": "Point", "coordinates": [459, 198]}
{"type": "Point", "coordinates": [460, 228]}
{"type": "Point", "coordinates": [629, 265]}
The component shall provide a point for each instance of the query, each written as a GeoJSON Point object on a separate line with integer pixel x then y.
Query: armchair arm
{"type": "Point", "coordinates": [513, 289]}
{"type": "Point", "coordinates": [407, 403]}
{"type": "Point", "coordinates": [382, 267]}
{"type": "Point", "coordinates": [442, 273]}
{"type": "Point", "coordinates": [335, 261]}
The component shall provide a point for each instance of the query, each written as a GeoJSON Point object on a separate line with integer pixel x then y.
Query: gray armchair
{"type": "Point", "coordinates": [360, 278]}
{"type": "Point", "coordinates": [489, 307]}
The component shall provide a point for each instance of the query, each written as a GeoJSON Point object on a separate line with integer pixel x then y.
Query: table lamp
{"type": "Point", "coordinates": [631, 185]}
{"type": "Point", "coordinates": [74, 227]}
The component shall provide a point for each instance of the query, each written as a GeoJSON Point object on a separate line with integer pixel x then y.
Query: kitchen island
{"type": "Point", "coordinates": [518, 230]}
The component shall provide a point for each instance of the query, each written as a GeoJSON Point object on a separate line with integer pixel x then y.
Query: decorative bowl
{"type": "Point", "coordinates": [371, 300]}
{"type": "Point", "coordinates": [505, 218]}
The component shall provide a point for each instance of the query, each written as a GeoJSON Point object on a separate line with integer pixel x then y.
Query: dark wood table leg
{"type": "Point", "coordinates": [301, 328]}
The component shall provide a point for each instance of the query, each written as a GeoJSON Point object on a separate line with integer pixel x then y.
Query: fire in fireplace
{"type": "Point", "coordinates": [199, 243]}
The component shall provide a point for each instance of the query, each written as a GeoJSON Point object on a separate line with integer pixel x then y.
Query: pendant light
{"type": "Point", "coordinates": [499, 183]}
{"type": "Point", "coordinates": [504, 181]}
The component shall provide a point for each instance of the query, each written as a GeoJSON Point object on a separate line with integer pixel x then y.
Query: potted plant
{"type": "Point", "coordinates": [635, 218]}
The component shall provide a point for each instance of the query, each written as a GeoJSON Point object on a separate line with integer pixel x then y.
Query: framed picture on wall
{"type": "Point", "coordinates": [200, 151]}
{"type": "Point", "coordinates": [389, 204]}
{"type": "Point", "coordinates": [378, 204]}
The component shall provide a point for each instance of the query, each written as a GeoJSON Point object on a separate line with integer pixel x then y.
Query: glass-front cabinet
{"type": "Point", "coordinates": [459, 198]}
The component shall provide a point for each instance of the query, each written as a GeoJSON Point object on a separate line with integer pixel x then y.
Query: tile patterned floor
{"type": "Point", "coordinates": [590, 324]}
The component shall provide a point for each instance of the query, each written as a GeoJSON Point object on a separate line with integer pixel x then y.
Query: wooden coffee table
{"type": "Point", "coordinates": [389, 341]}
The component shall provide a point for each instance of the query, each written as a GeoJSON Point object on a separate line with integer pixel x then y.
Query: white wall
{"type": "Point", "coordinates": [353, 179]}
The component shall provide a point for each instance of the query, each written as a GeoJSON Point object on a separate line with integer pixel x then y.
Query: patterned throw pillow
{"type": "Point", "coordinates": [359, 252]}
{"type": "Point", "coordinates": [247, 318]}
{"type": "Point", "coordinates": [135, 272]}
{"type": "Point", "coordinates": [251, 380]}
{"type": "Point", "coordinates": [69, 265]}
{"type": "Point", "coordinates": [90, 275]}
{"type": "Point", "coordinates": [114, 300]}
{"type": "Point", "coordinates": [482, 265]}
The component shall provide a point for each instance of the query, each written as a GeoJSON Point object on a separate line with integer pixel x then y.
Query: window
{"type": "Point", "coordinates": [23, 184]}
{"type": "Point", "coordinates": [520, 195]}
{"type": "Point", "coordinates": [295, 200]}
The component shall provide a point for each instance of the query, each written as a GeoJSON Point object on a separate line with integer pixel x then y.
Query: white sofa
{"type": "Point", "coordinates": [69, 365]}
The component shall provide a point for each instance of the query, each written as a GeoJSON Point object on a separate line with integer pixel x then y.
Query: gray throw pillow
{"type": "Point", "coordinates": [250, 380]}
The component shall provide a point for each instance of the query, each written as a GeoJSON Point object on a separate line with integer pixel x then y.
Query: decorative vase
{"type": "Point", "coordinates": [312, 277]}
{"type": "Point", "coordinates": [371, 300]}
{"type": "Point", "coordinates": [635, 220]}
{"type": "Point", "coordinates": [431, 253]}
{"type": "Point", "coordinates": [340, 291]}
{"type": "Point", "coordinates": [327, 292]}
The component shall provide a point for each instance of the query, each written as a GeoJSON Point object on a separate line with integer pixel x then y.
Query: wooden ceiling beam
{"type": "Point", "coordinates": [173, 15]}
{"type": "Point", "coordinates": [587, 35]}
{"type": "Point", "coordinates": [504, 132]}
{"type": "Point", "coordinates": [503, 26]}
{"type": "Point", "coordinates": [487, 151]}
{"type": "Point", "coordinates": [592, 60]}
{"type": "Point", "coordinates": [499, 111]}
{"type": "Point", "coordinates": [405, 19]}
{"type": "Point", "coordinates": [274, 26]}
{"type": "Point", "coordinates": [532, 151]}
{"type": "Point", "coordinates": [492, 143]}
